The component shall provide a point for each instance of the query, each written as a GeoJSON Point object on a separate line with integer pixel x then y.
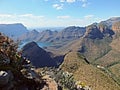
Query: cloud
{"type": "Point", "coordinates": [20, 16]}
{"type": "Point", "coordinates": [5, 15]}
{"type": "Point", "coordinates": [89, 16]}
{"type": "Point", "coordinates": [31, 20]}
{"type": "Point", "coordinates": [63, 17]}
{"type": "Point", "coordinates": [62, 0]}
{"type": "Point", "coordinates": [62, 3]}
{"type": "Point", "coordinates": [58, 6]}
{"type": "Point", "coordinates": [85, 3]}
{"type": "Point", "coordinates": [83, 0]}
{"type": "Point", "coordinates": [31, 16]}
{"type": "Point", "coordinates": [70, 1]}
{"type": "Point", "coordinates": [27, 19]}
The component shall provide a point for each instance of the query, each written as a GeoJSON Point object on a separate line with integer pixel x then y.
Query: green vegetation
{"type": "Point", "coordinates": [87, 73]}
{"type": "Point", "coordinates": [64, 79]}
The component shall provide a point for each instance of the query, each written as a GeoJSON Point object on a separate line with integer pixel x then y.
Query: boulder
{"type": "Point", "coordinates": [4, 78]}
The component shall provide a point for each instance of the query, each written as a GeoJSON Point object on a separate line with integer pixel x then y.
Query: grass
{"type": "Point", "coordinates": [115, 70]}
{"type": "Point", "coordinates": [87, 73]}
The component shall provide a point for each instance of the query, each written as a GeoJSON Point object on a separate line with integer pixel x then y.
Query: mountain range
{"type": "Point", "coordinates": [13, 30]}
{"type": "Point", "coordinates": [65, 34]}
{"type": "Point", "coordinates": [91, 53]}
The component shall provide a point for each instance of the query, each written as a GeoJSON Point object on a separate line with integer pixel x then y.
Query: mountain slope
{"type": "Point", "coordinates": [96, 41]}
{"type": "Point", "coordinates": [70, 33]}
{"type": "Point", "coordinates": [37, 56]}
{"type": "Point", "coordinates": [46, 36]}
{"type": "Point", "coordinates": [90, 75]}
{"type": "Point", "coordinates": [29, 36]}
{"type": "Point", "coordinates": [66, 34]}
{"type": "Point", "coordinates": [100, 45]}
{"type": "Point", "coordinates": [13, 30]}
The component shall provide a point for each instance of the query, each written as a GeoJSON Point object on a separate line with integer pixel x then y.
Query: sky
{"type": "Point", "coordinates": [57, 13]}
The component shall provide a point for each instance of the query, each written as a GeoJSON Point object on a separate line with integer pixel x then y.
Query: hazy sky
{"type": "Point", "coordinates": [48, 13]}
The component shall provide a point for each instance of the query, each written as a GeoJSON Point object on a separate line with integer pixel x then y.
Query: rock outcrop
{"type": "Point", "coordinates": [93, 32]}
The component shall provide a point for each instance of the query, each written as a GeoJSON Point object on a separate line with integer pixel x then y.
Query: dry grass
{"type": "Point", "coordinates": [87, 73]}
{"type": "Point", "coordinates": [115, 69]}
{"type": "Point", "coordinates": [110, 58]}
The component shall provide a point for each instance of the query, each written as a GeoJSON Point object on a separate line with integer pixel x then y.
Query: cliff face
{"type": "Point", "coordinates": [37, 56]}
{"type": "Point", "coordinates": [116, 26]}
{"type": "Point", "coordinates": [70, 33]}
{"type": "Point", "coordinates": [97, 42]}
{"type": "Point", "coordinates": [116, 29]}
{"type": "Point", "coordinates": [93, 32]}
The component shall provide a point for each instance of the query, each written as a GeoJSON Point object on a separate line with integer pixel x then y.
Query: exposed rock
{"type": "Point", "coordinates": [93, 32]}
{"type": "Point", "coordinates": [4, 78]}
{"type": "Point", "coordinates": [111, 21]}
{"type": "Point", "coordinates": [116, 26]}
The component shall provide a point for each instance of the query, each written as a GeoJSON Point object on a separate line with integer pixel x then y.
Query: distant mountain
{"type": "Point", "coordinates": [96, 41]}
{"type": "Point", "coordinates": [110, 21]}
{"type": "Point", "coordinates": [69, 33]}
{"type": "Point", "coordinates": [34, 35]}
{"type": "Point", "coordinates": [66, 34]}
{"type": "Point", "coordinates": [13, 30]}
{"type": "Point", "coordinates": [37, 56]}
{"type": "Point", "coordinates": [100, 47]}
{"type": "Point", "coordinates": [93, 32]}
{"type": "Point", "coordinates": [29, 36]}
{"type": "Point", "coordinates": [46, 35]}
